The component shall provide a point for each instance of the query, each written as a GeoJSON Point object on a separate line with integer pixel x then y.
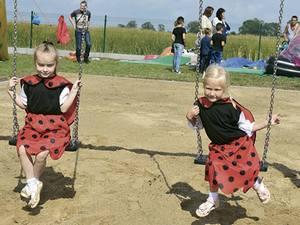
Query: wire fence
{"type": "Point", "coordinates": [98, 21]}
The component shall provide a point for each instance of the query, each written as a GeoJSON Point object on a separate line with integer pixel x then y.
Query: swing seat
{"type": "Point", "coordinates": [263, 166]}
{"type": "Point", "coordinates": [13, 141]}
{"type": "Point", "coordinates": [201, 160]}
{"type": "Point", "coordinates": [72, 147]}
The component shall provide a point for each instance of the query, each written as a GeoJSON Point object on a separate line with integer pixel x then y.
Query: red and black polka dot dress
{"type": "Point", "coordinates": [46, 127]}
{"type": "Point", "coordinates": [233, 161]}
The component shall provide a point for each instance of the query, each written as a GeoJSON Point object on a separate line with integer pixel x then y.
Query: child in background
{"type": "Point", "coordinates": [233, 162]}
{"type": "Point", "coordinates": [49, 102]}
{"type": "Point", "coordinates": [218, 42]}
{"type": "Point", "coordinates": [205, 55]}
{"type": "Point", "coordinates": [178, 38]}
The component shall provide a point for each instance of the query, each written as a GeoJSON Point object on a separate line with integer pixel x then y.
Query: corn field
{"type": "Point", "coordinates": [140, 41]}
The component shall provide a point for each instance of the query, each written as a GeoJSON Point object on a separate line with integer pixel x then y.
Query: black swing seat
{"type": "Point", "coordinates": [13, 141]}
{"type": "Point", "coordinates": [202, 160]}
{"type": "Point", "coordinates": [264, 166]}
{"type": "Point", "coordinates": [72, 147]}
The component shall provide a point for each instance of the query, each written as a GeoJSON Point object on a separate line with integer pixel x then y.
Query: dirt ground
{"type": "Point", "coordinates": [136, 162]}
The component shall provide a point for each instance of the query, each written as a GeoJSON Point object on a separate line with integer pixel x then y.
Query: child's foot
{"type": "Point", "coordinates": [25, 193]}
{"type": "Point", "coordinates": [205, 208]}
{"type": "Point", "coordinates": [262, 192]}
{"type": "Point", "coordinates": [35, 196]}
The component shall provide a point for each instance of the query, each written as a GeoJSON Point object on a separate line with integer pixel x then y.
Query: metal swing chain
{"type": "Point", "coordinates": [273, 86]}
{"type": "Point", "coordinates": [15, 120]}
{"type": "Point", "coordinates": [199, 141]}
{"type": "Point", "coordinates": [75, 126]}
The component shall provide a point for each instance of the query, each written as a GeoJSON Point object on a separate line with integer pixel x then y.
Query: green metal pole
{"type": "Point", "coordinates": [259, 42]}
{"type": "Point", "coordinates": [105, 20]}
{"type": "Point", "coordinates": [31, 29]}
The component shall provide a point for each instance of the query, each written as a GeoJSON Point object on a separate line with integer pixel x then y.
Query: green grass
{"type": "Point", "coordinates": [107, 67]}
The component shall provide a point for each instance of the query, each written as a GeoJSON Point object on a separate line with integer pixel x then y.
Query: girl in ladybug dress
{"type": "Point", "coordinates": [233, 162]}
{"type": "Point", "coordinates": [50, 103]}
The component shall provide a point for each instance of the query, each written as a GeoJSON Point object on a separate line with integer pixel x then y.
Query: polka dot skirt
{"type": "Point", "coordinates": [232, 166]}
{"type": "Point", "coordinates": [44, 132]}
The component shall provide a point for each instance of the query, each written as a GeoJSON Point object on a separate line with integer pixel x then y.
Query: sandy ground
{"type": "Point", "coordinates": [135, 165]}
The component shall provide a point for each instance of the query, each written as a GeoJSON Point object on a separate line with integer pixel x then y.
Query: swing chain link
{"type": "Point", "coordinates": [273, 85]}
{"type": "Point", "coordinates": [199, 141]}
{"type": "Point", "coordinates": [76, 120]}
{"type": "Point", "coordinates": [15, 119]}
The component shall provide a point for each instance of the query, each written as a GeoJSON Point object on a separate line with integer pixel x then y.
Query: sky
{"type": "Point", "coordinates": [237, 11]}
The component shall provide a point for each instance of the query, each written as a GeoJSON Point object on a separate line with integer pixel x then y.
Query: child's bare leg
{"type": "Point", "coordinates": [26, 163]}
{"type": "Point", "coordinates": [40, 163]}
{"type": "Point", "coordinates": [215, 189]}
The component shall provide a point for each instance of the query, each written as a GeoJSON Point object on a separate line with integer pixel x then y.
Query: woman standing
{"type": "Point", "coordinates": [220, 18]}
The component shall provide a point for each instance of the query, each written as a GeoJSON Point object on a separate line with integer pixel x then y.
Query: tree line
{"type": "Point", "coordinates": [146, 26]}
{"type": "Point", "coordinates": [249, 27]}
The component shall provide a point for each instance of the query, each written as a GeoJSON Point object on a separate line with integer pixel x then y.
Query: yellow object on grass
{"type": "Point", "coordinates": [3, 32]}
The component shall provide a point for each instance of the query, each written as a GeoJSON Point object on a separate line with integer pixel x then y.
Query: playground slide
{"type": "Point", "coordinates": [3, 32]}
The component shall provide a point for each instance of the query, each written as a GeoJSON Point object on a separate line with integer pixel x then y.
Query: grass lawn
{"type": "Point", "coordinates": [108, 67]}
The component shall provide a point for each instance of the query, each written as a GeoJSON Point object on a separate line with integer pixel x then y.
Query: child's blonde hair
{"type": "Point", "coordinates": [221, 74]}
{"type": "Point", "coordinates": [46, 47]}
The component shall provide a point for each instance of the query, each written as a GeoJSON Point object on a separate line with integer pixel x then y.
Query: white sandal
{"type": "Point", "coordinates": [264, 196]}
{"type": "Point", "coordinates": [35, 201]}
{"type": "Point", "coordinates": [25, 193]}
{"type": "Point", "coordinates": [204, 208]}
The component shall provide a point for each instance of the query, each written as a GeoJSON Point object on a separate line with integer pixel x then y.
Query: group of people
{"type": "Point", "coordinates": [50, 103]}
{"type": "Point", "coordinates": [211, 39]}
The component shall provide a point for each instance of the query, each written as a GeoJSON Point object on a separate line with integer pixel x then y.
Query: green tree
{"type": "Point", "coordinates": [269, 29]}
{"type": "Point", "coordinates": [193, 27]}
{"type": "Point", "coordinates": [251, 27]}
{"type": "Point", "coordinates": [121, 25]}
{"type": "Point", "coordinates": [161, 27]}
{"type": "Point", "coordinates": [147, 26]}
{"type": "Point", "coordinates": [131, 24]}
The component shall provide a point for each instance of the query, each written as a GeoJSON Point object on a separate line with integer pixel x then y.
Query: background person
{"type": "Point", "coordinates": [220, 18]}
{"type": "Point", "coordinates": [291, 30]}
{"type": "Point", "coordinates": [218, 42]}
{"type": "Point", "coordinates": [206, 23]}
{"type": "Point", "coordinates": [178, 38]}
{"type": "Point", "coordinates": [205, 55]}
{"type": "Point", "coordinates": [78, 14]}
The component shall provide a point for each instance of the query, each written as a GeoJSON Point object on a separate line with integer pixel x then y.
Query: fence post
{"type": "Point", "coordinates": [105, 20]}
{"type": "Point", "coordinates": [31, 29]}
{"type": "Point", "coordinates": [259, 41]}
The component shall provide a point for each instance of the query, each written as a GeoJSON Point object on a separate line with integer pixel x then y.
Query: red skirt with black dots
{"type": "Point", "coordinates": [232, 166]}
{"type": "Point", "coordinates": [44, 132]}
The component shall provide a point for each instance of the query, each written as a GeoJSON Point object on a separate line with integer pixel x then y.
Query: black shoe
{"type": "Point", "coordinates": [86, 60]}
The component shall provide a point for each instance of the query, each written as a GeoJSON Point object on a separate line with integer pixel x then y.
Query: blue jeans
{"type": "Point", "coordinates": [87, 37]}
{"type": "Point", "coordinates": [216, 57]}
{"type": "Point", "coordinates": [178, 48]}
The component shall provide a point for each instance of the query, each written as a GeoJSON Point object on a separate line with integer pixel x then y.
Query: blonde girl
{"type": "Point", "coordinates": [233, 162]}
{"type": "Point", "coordinates": [49, 102]}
